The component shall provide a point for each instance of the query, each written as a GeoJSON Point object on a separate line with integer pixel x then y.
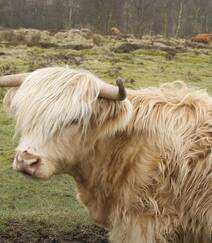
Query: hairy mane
{"type": "Point", "coordinates": [175, 121]}
{"type": "Point", "coordinates": [172, 113]}
{"type": "Point", "coordinates": [64, 96]}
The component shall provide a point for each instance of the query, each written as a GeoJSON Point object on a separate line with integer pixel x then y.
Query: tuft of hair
{"type": "Point", "coordinates": [8, 100]}
{"type": "Point", "coordinates": [53, 98]}
{"type": "Point", "coordinates": [173, 113]}
{"type": "Point", "coordinates": [172, 105]}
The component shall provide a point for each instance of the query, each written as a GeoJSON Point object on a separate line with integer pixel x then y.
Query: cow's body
{"type": "Point", "coordinates": [154, 178]}
{"type": "Point", "coordinates": [202, 38]}
{"type": "Point", "coordinates": [142, 166]}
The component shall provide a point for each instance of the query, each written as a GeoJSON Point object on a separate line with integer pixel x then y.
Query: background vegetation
{"type": "Point", "coordinates": [168, 17]}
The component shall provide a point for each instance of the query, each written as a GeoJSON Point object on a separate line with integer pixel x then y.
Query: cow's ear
{"type": "Point", "coordinates": [8, 100]}
{"type": "Point", "coordinates": [111, 116]}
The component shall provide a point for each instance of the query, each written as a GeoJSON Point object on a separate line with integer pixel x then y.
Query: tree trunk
{"type": "Point", "coordinates": [179, 19]}
{"type": "Point", "coordinates": [119, 13]}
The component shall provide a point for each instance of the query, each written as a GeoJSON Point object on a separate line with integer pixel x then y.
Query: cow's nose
{"type": "Point", "coordinates": [26, 162]}
{"type": "Point", "coordinates": [27, 159]}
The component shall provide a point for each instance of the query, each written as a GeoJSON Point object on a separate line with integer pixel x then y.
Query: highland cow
{"type": "Point", "coordinates": [202, 38]}
{"type": "Point", "coordinates": [142, 163]}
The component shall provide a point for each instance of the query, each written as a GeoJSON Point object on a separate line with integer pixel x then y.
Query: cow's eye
{"type": "Point", "coordinates": [75, 121]}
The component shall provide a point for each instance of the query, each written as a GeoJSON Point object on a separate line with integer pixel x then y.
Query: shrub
{"type": "Point", "coordinates": [7, 35]}
{"type": "Point", "coordinates": [98, 40]}
{"type": "Point", "coordinates": [34, 39]}
{"type": "Point", "coordinates": [20, 36]}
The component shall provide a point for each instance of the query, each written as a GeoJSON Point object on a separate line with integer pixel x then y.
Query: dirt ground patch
{"type": "Point", "coordinates": [31, 233]}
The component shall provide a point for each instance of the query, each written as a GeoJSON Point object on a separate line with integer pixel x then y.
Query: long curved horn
{"type": "Point", "coordinates": [110, 92]}
{"type": "Point", "coordinates": [13, 80]}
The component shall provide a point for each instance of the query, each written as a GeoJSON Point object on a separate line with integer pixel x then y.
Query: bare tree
{"type": "Point", "coordinates": [167, 17]}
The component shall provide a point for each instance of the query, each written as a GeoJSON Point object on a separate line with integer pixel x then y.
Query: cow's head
{"type": "Point", "coordinates": [60, 113]}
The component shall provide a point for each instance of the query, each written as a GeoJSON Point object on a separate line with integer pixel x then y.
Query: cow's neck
{"type": "Point", "coordinates": [104, 176]}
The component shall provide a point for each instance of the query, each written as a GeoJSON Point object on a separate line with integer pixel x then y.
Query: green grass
{"type": "Point", "coordinates": [31, 210]}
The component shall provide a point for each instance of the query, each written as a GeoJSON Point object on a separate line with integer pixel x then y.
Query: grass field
{"type": "Point", "coordinates": [35, 211]}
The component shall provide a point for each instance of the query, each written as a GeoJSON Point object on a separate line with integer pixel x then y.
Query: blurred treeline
{"type": "Point", "coordinates": [179, 18]}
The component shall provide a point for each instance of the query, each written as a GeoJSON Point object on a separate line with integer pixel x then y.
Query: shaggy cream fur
{"type": "Point", "coordinates": [142, 166]}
